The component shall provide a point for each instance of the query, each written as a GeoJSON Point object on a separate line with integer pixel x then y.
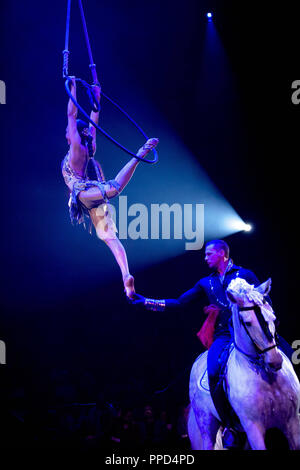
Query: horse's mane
{"type": "Point", "coordinates": [241, 287]}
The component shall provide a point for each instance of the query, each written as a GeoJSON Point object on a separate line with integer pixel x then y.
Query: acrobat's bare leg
{"type": "Point", "coordinates": [119, 253]}
{"type": "Point", "coordinates": [124, 176]}
{"type": "Point", "coordinates": [94, 195]}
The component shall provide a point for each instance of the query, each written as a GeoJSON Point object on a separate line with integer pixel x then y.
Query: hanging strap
{"type": "Point", "coordinates": [94, 103]}
{"type": "Point", "coordinates": [86, 35]}
{"type": "Point", "coordinates": [66, 51]}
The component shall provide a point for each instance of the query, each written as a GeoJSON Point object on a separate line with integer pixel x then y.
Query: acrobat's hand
{"type": "Point", "coordinates": [73, 82]}
{"type": "Point", "coordinates": [97, 90]}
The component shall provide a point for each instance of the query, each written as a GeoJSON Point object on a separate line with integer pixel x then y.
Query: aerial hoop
{"type": "Point", "coordinates": [95, 105]}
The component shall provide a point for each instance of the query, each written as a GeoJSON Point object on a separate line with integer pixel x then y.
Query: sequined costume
{"type": "Point", "coordinates": [106, 228]}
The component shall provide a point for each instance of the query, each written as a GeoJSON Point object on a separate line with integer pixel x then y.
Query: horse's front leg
{"type": "Point", "coordinates": [256, 435]}
{"type": "Point", "coordinates": [292, 433]}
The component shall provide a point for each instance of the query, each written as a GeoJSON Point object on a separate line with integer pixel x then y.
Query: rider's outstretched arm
{"type": "Point", "coordinates": [163, 304]}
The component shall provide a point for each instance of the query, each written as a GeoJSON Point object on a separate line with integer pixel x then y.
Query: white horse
{"type": "Point", "coordinates": [263, 388]}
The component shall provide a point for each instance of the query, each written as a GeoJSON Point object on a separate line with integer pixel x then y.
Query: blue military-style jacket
{"type": "Point", "coordinates": [214, 288]}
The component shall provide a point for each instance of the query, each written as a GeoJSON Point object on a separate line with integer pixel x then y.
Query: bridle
{"type": "Point", "coordinates": [265, 329]}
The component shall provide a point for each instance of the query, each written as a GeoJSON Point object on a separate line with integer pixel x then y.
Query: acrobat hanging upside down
{"type": "Point", "coordinates": [90, 194]}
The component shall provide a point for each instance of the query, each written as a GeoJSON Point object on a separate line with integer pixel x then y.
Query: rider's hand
{"type": "Point", "coordinates": [211, 309]}
{"type": "Point", "coordinates": [137, 300]}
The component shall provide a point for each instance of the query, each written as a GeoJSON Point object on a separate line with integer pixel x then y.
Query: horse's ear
{"type": "Point", "coordinates": [265, 287]}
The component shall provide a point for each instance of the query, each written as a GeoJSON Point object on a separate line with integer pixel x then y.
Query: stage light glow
{"type": "Point", "coordinates": [177, 180]}
{"type": "Point", "coordinates": [238, 225]}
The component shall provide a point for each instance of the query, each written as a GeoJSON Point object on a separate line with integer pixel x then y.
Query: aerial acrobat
{"type": "Point", "coordinates": [90, 195]}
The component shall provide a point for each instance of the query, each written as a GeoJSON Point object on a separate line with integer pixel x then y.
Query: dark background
{"type": "Point", "coordinates": [54, 316]}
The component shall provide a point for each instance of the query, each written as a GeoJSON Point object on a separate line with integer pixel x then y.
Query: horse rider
{"type": "Point", "coordinates": [216, 333]}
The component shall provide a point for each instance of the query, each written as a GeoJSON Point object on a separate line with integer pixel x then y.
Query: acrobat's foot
{"type": "Point", "coordinates": [147, 147]}
{"type": "Point", "coordinates": [129, 286]}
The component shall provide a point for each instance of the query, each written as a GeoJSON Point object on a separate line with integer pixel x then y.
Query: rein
{"type": "Point", "coordinates": [262, 322]}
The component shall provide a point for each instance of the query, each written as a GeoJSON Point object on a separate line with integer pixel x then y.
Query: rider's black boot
{"type": "Point", "coordinates": [231, 439]}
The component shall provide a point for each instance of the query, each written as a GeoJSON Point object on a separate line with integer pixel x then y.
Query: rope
{"type": "Point", "coordinates": [92, 64]}
{"type": "Point", "coordinates": [109, 137]}
{"type": "Point", "coordinates": [93, 101]}
{"type": "Point", "coordinates": [66, 49]}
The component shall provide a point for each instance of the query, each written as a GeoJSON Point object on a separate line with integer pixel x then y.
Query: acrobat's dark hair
{"type": "Point", "coordinates": [220, 245]}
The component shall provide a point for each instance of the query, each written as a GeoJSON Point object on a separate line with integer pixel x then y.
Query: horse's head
{"type": "Point", "coordinates": [254, 318]}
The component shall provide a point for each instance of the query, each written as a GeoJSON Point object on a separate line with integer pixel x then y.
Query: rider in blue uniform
{"type": "Point", "coordinates": [214, 288]}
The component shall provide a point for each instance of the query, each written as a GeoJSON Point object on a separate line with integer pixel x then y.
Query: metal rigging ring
{"type": "Point", "coordinates": [96, 107]}
{"type": "Point", "coordinates": [94, 103]}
